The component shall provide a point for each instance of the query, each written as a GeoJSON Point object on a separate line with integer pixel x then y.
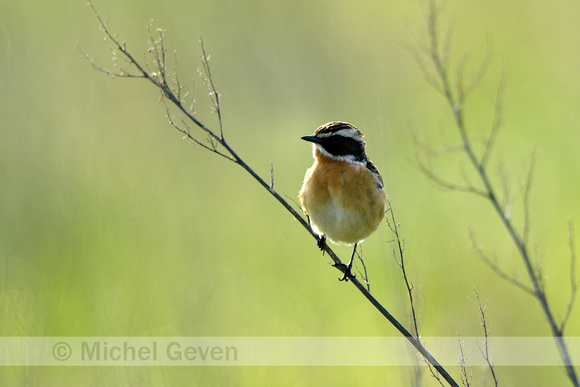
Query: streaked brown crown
{"type": "Point", "coordinates": [335, 126]}
{"type": "Point", "coordinates": [340, 140]}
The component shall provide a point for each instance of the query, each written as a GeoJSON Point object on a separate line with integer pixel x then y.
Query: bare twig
{"type": "Point", "coordinates": [492, 264]}
{"type": "Point", "coordinates": [465, 379]}
{"type": "Point", "coordinates": [271, 175]}
{"type": "Point", "coordinates": [422, 148]}
{"type": "Point", "coordinates": [485, 349]}
{"type": "Point", "coordinates": [185, 130]}
{"type": "Point", "coordinates": [453, 98]}
{"type": "Point", "coordinates": [208, 80]}
{"type": "Point", "coordinates": [218, 145]}
{"type": "Point", "coordinates": [424, 68]}
{"type": "Point", "coordinates": [464, 92]}
{"type": "Point", "coordinates": [364, 274]}
{"type": "Point", "coordinates": [498, 117]}
{"type": "Point", "coordinates": [573, 280]}
{"type": "Point", "coordinates": [394, 227]}
{"type": "Point", "coordinates": [399, 251]}
{"type": "Point", "coordinates": [526, 198]}
{"type": "Point", "coordinates": [504, 180]}
{"type": "Point", "coordinates": [447, 185]}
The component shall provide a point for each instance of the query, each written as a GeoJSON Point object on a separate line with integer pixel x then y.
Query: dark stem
{"type": "Point", "coordinates": [160, 81]}
{"type": "Point", "coordinates": [456, 109]}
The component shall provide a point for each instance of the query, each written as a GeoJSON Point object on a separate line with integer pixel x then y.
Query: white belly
{"type": "Point", "coordinates": [340, 225]}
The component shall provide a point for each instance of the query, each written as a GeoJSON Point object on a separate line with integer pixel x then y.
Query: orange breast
{"type": "Point", "coordinates": [342, 200]}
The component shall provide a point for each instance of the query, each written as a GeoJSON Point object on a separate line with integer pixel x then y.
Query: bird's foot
{"type": "Point", "coordinates": [347, 272]}
{"type": "Point", "coordinates": [321, 242]}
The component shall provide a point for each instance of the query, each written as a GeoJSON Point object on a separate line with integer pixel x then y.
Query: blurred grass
{"type": "Point", "coordinates": [111, 225]}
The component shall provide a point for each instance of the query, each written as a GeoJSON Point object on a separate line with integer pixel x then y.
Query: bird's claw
{"type": "Point", "coordinates": [347, 272]}
{"type": "Point", "coordinates": [321, 242]}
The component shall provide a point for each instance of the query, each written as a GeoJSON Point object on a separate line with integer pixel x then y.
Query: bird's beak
{"type": "Point", "coordinates": [313, 139]}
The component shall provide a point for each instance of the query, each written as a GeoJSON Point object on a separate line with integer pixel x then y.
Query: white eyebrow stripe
{"type": "Point", "coordinates": [348, 133]}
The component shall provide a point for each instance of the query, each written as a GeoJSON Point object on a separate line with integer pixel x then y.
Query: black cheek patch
{"type": "Point", "coordinates": [343, 146]}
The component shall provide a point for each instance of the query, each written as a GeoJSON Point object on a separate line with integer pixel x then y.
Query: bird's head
{"type": "Point", "coordinates": [340, 141]}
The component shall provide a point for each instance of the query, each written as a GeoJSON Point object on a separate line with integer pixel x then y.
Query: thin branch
{"type": "Point", "coordinates": [494, 267]}
{"type": "Point", "coordinates": [178, 86]}
{"type": "Point", "coordinates": [400, 248]}
{"type": "Point", "coordinates": [485, 349]}
{"type": "Point", "coordinates": [421, 147]}
{"type": "Point", "coordinates": [295, 202]}
{"type": "Point", "coordinates": [526, 198]}
{"type": "Point", "coordinates": [465, 379]}
{"type": "Point", "coordinates": [364, 274]}
{"type": "Point", "coordinates": [215, 96]}
{"type": "Point", "coordinates": [445, 150]}
{"type": "Point", "coordinates": [573, 280]}
{"type": "Point", "coordinates": [187, 133]}
{"type": "Point", "coordinates": [394, 227]}
{"type": "Point", "coordinates": [505, 189]}
{"type": "Point", "coordinates": [159, 79]}
{"type": "Point", "coordinates": [442, 183]}
{"type": "Point", "coordinates": [464, 92]}
{"type": "Point", "coordinates": [439, 62]}
{"type": "Point", "coordinates": [498, 117]}
{"type": "Point", "coordinates": [428, 75]}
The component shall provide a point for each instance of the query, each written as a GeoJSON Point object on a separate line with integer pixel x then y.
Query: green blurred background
{"type": "Point", "coordinates": [112, 225]}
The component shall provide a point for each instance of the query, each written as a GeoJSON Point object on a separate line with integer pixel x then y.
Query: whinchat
{"type": "Point", "coordinates": [343, 193]}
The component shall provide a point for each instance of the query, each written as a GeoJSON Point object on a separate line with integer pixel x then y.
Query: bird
{"type": "Point", "coordinates": [343, 193]}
